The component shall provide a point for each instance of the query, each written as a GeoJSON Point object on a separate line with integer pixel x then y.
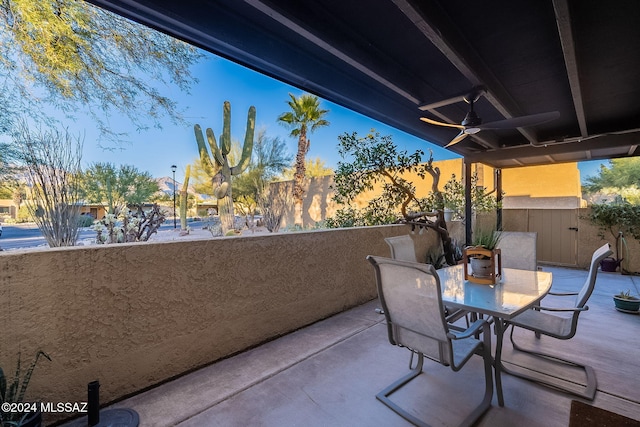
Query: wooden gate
{"type": "Point", "coordinates": [557, 235]}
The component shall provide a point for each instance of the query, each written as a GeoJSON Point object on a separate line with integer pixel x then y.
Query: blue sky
{"type": "Point", "coordinates": [220, 80]}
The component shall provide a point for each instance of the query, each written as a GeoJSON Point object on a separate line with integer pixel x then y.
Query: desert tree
{"type": "Point", "coordinates": [273, 202]}
{"type": "Point", "coordinates": [619, 173]}
{"type": "Point", "coordinates": [117, 187]}
{"type": "Point", "coordinates": [73, 56]}
{"type": "Point", "coordinates": [268, 161]}
{"type": "Point", "coordinates": [201, 178]}
{"type": "Point", "coordinates": [51, 161]}
{"type": "Point", "coordinates": [620, 180]}
{"type": "Point", "coordinates": [254, 190]}
{"type": "Point", "coordinates": [374, 160]}
{"type": "Point", "coordinates": [305, 117]}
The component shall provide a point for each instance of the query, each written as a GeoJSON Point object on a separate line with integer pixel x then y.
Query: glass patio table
{"type": "Point", "coordinates": [515, 292]}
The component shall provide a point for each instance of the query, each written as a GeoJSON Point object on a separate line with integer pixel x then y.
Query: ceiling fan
{"type": "Point", "coordinates": [472, 124]}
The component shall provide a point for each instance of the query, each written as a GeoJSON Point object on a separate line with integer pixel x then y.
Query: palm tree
{"type": "Point", "coordinates": [305, 117]}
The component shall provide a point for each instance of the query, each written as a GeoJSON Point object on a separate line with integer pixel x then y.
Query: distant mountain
{"type": "Point", "coordinates": [165, 184]}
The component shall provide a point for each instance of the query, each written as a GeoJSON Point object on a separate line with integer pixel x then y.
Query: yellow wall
{"type": "Point", "coordinates": [543, 181]}
{"type": "Point", "coordinates": [532, 187]}
{"type": "Point", "coordinates": [526, 189]}
{"type": "Point", "coordinates": [424, 185]}
{"type": "Point", "coordinates": [447, 168]}
{"type": "Point", "coordinates": [551, 186]}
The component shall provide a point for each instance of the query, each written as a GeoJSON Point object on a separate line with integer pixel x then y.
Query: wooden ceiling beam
{"type": "Point", "coordinates": [440, 31]}
{"type": "Point", "coordinates": [563, 20]}
{"type": "Point", "coordinates": [589, 145]}
{"type": "Point", "coordinates": [327, 46]}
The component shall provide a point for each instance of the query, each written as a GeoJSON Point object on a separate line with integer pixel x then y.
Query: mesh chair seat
{"type": "Point", "coordinates": [552, 325]}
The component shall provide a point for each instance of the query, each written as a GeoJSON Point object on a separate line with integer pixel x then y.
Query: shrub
{"type": "Point", "coordinates": [85, 221]}
{"type": "Point", "coordinates": [615, 218]}
{"type": "Point", "coordinates": [129, 226]}
{"type": "Point", "coordinates": [24, 215]}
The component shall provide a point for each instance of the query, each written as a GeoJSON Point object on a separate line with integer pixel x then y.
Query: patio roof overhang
{"type": "Point", "coordinates": [387, 58]}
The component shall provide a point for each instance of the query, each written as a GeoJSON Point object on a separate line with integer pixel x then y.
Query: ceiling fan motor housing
{"type": "Point", "coordinates": [471, 119]}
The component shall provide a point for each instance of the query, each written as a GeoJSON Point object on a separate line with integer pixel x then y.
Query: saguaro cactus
{"type": "Point", "coordinates": [217, 165]}
{"type": "Point", "coordinates": [183, 199]}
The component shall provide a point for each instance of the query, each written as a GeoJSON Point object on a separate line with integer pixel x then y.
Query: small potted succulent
{"type": "Point", "coordinates": [626, 302]}
{"type": "Point", "coordinates": [12, 390]}
{"type": "Point", "coordinates": [483, 239]}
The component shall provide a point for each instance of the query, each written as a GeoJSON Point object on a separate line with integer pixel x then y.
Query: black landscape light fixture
{"type": "Point", "coordinates": [173, 169]}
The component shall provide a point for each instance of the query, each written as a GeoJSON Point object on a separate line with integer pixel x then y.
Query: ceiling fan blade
{"type": "Point", "coordinates": [462, 135]}
{"type": "Point", "coordinates": [434, 122]}
{"type": "Point", "coordinates": [521, 122]}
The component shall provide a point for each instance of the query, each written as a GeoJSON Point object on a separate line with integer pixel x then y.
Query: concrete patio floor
{"type": "Point", "coordinates": [327, 374]}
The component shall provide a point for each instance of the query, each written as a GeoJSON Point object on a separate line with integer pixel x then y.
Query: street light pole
{"type": "Point", "coordinates": [173, 169]}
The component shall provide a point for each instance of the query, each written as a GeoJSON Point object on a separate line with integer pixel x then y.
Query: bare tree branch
{"type": "Point", "coordinates": [52, 161]}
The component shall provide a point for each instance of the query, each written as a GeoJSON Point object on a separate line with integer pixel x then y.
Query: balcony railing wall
{"type": "Point", "coordinates": [135, 315]}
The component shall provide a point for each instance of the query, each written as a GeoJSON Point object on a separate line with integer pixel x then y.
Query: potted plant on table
{"type": "Point", "coordinates": [12, 390]}
{"type": "Point", "coordinates": [626, 302]}
{"type": "Point", "coordinates": [482, 255]}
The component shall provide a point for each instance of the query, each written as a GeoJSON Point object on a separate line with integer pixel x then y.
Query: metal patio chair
{"type": "Point", "coordinates": [545, 321]}
{"type": "Point", "coordinates": [518, 250]}
{"type": "Point", "coordinates": [403, 249]}
{"type": "Point", "coordinates": [411, 296]}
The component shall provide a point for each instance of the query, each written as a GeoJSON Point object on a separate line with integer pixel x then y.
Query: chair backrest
{"type": "Point", "coordinates": [411, 297]}
{"type": "Point", "coordinates": [571, 323]}
{"type": "Point", "coordinates": [402, 248]}
{"type": "Point", "coordinates": [583, 295]}
{"type": "Point", "coordinates": [518, 250]}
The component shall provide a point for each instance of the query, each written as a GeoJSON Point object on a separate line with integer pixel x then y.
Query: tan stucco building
{"type": "Point", "coordinates": [529, 187]}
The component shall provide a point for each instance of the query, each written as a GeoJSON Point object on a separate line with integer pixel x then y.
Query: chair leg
{"type": "Point", "coordinates": [470, 420]}
{"type": "Point", "coordinates": [484, 406]}
{"type": "Point", "coordinates": [589, 389]}
{"type": "Point", "coordinates": [383, 396]}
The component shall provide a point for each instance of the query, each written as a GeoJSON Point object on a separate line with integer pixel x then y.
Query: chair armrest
{"type": "Point", "coordinates": [562, 294]}
{"type": "Point", "coordinates": [455, 315]}
{"type": "Point", "coordinates": [574, 309]}
{"type": "Point", "coordinates": [471, 330]}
